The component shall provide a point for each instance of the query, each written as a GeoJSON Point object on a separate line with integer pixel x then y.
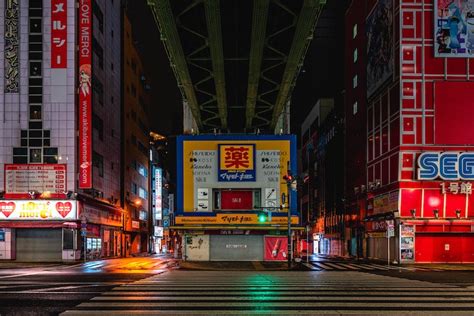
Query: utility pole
{"type": "Point", "coordinates": [289, 180]}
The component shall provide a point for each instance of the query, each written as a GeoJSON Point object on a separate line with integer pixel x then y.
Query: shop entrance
{"type": "Point", "coordinates": [39, 245]}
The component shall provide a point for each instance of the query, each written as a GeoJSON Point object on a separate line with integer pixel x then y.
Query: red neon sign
{"type": "Point", "coordinates": [58, 34]}
{"type": "Point", "coordinates": [85, 91]}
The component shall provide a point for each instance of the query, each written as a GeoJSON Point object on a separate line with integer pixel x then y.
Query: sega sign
{"type": "Point", "coordinates": [446, 165]}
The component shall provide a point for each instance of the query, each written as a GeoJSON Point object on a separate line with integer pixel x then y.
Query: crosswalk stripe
{"type": "Point", "coordinates": [350, 266]}
{"type": "Point", "coordinates": [280, 293]}
{"type": "Point", "coordinates": [335, 266]}
{"type": "Point", "coordinates": [321, 265]}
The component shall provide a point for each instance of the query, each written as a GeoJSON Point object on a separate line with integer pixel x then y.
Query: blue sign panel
{"type": "Point", "coordinates": [446, 166]}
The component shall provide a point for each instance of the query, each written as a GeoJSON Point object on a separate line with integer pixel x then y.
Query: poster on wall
{"type": "Point", "coordinates": [454, 28]}
{"type": "Point", "coordinates": [276, 248]}
{"type": "Point", "coordinates": [380, 55]}
{"type": "Point", "coordinates": [85, 94]}
{"type": "Point", "coordinates": [407, 243]}
{"type": "Point", "coordinates": [236, 163]}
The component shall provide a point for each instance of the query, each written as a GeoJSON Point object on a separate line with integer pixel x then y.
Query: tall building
{"type": "Point", "coordinates": [135, 133]}
{"type": "Point", "coordinates": [59, 130]}
{"type": "Point", "coordinates": [418, 72]}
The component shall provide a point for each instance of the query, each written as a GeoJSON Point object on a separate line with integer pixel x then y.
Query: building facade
{"type": "Point", "coordinates": [136, 149]}
{"type": "Point", "coordinates": [232, 201]}
{"type": "Point", "coordinates": [56, 186]}
{"type": "Point", "coordinates": [419, 135]}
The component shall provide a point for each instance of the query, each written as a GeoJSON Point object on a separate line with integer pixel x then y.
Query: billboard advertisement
{"type": "Point", "coordinates": [250, 163]}
{"type": "Point", "coordinates": [380, 54]}
{"type": "Point", "coordinates": [23, 178]}
{"type": "Point", "coordinates": [42, 210]}
{"type": "Point", "coordinates": [158, 193]}
{"type": "Point", "coordinates": [276, 248]}
{"type": "Point", "coordinates": [454, 28]}
{"type": "Point", "coordinates": [85, 94]}
{"type": "Point", "coordinates": [59, 34]}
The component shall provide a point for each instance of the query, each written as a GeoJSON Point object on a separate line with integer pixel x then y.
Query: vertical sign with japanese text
{"type": "Point", "coordinates": [58, 33]}
{"type": "Point", "coordinates": [85, 91]}
{"type": "Point", "coordinates": [158, 203]}
{"type": "Point", "coordinates": [11, 52]}
{"type": "Point", "coordinates": [236, 163]}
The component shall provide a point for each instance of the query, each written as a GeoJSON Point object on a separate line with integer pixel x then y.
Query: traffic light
{"type": "Point", "coordinates": [288, 178]}
{"type": "Point", "coordinates": [262, 218]}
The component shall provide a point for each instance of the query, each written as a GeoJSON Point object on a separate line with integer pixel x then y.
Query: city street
{"type": "Point", "coordinates": [151, 285]}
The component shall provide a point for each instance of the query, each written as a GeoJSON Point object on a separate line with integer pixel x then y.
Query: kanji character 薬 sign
{"type": "Point", "coordinates": [236, 163]}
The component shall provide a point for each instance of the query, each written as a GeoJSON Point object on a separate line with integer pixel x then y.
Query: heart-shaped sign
{"type": "Point", "coordinates": [64, 208]}
{"type": "Point", "coordinates": [7, 208]}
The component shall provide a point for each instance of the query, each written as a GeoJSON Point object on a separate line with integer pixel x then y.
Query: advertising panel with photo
{"type": "Point", "coordinates": [276, 248]}
{"type": "Point", "coordinates": [407, 243]}
{"type": "Point", "coordinates": [380, 54]}
{"type": "Point", "coordinates": [454, 28]}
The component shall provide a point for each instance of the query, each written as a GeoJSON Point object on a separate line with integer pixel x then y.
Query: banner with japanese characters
{"type": "Point", "coordinates": [85, 94]}
{"type": "Point", "coordinates": [454, 28]}
{"type": "Point", "coordinates": [236, 163]}
{"type": "Point", "coordinates": [58, 34]}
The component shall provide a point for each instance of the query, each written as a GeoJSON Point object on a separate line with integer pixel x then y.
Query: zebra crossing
{"type": "Point", "coordinates": [350, 266]}
{"type": "Point", "coordinates": [278, 293]}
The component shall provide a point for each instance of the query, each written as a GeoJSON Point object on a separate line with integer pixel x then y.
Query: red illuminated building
{"type": "Point", "coordinates": [410, 71]}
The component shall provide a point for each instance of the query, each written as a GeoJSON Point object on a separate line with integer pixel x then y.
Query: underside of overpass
{"type": "Point", "coordinates": [236, 61]}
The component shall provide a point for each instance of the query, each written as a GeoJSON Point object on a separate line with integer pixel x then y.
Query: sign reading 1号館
{"type": "Point", "coordinates": [236, 163]}
{"type": "Point", "coordinates": [454, 28]}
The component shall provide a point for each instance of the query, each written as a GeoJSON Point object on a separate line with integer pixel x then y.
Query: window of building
{"type": "Point", "coordinates": [112, 66]}
{"type": "Point", "coordinates": [35, 155]}
{"type": "Point", "coordinates": [354, 31]}
{"type": "Point", "coordinates": [356, 56]}
{"type": "Point", "coordinates": [98, 162]}
{"type": "Point", "coordinates": [133, 139]}
{"type": "Point", "coordinates": [134, 90]}
{"type": "Point", "coordinates": [143, 127]}
{"type": "Point", "coordinates": [35, 112]}
{"type": "Point", "coordinates": [134, 188]}
{"type": "Point", "coordinates": [98, 51]}
{"type": "Point", "coordinates": [111, 166]}
{"type": "Point", "coordinates": [143, 215]}
{"type": "Point", "coordinates": [98, 125]}
{"type": "Point", "coordinates": [355, 81]}
{"type": "Point", "coordinates": [134, 66]}
{"type": "Point", "coordinates": [134, 115]}
{"type": "Point", "coordinates": [142, 193]}
{"type": "Point", "coordinates": [99, 15]}
{"type": "Point", "coordinates": [141, 169]}
{"type": "Point", "coordinates": [355, 108]}
{"type": "Point", "coordinates": [142, 148]}
{"type": "Point", "coordinates": [98, 89]}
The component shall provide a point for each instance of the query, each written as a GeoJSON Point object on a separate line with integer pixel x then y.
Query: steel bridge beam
{"type": "Point", "coordinates": [163, 15]}
{"type": "Point", "coordinates": [214, 29]}
{"type": "Point", "coordinates": [303, 35]}
{"type": "Point", "coordinates": [259, 25]}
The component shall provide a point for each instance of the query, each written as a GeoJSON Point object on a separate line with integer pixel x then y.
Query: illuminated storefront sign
{"type": "Point", "coordinates": [58, 33]}
{"type": "Point", "coordinates": [85, 91]}
{"type": "Point", "coordinates": [232, 219]}
{"type": "Point", "coordinates": [38, 210]}
{"type": "Point", "coordinates": [158, 202]}
{"type": "Point", "coordinates": [11, 53]}
{"type": "Point", "coordinates": [446, 166]}
{"type": "Point", "coordinates": [43, 178]}
{"type": "Point", "coordinates": [236, 163]}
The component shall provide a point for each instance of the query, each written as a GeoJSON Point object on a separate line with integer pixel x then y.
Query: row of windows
{"type": "Point", "coordinates": [138, 190]}
{"type": "Point", "coordinates": [141, 169]}
{"type": "Point", "coordinates": [355, 79]}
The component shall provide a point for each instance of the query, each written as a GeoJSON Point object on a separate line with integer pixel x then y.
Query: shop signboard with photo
{"type": "Point", "coordinates": [407, 243]}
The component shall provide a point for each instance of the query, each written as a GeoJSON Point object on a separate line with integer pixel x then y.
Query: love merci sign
{"type": "Point", "coordinates": [38, 210]}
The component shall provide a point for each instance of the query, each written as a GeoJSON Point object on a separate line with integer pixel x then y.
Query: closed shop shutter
{"type": "Point", "coordinates": [40, 245]}
{"type": "Point", "coordinates": [443, 248]}
{"type": "Point", "coordinates": [236, 248]}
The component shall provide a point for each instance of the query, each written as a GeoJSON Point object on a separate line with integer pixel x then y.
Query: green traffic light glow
{"type": "Point", "coordinates": [262, 218]}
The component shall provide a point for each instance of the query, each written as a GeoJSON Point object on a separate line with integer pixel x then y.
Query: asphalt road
{"type": "Point", "coordinates": [151, 285]}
